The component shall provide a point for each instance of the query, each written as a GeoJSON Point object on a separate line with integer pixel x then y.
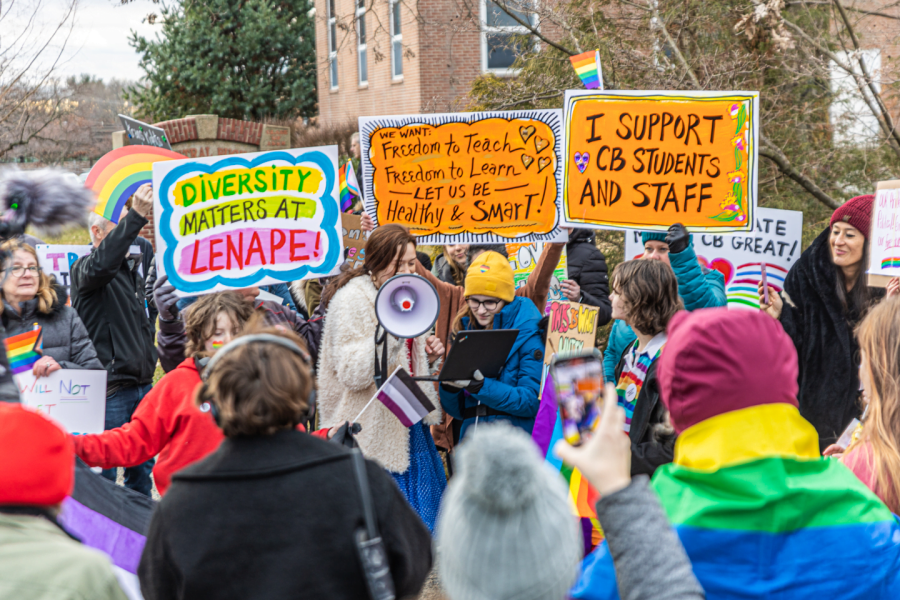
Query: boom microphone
{"type": "Point", "coordinates": [49, 200]}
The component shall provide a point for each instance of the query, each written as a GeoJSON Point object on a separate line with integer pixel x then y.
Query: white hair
{"type": "Point", "coordinates": [354, 137]}
{"type": "Point", "coordinates": [101, 222]}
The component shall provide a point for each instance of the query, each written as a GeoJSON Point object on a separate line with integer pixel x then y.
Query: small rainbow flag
{"type": "Point", "coordinates": [22, 350]}
{"type": "Point", "coordinates": [890, 263]}
{"type": "Point", "coordinates": [348, 186]}
{"type": "Point", "coordinates": [588, 67]}
{"type": "Point", "coordinates": [118, 175]}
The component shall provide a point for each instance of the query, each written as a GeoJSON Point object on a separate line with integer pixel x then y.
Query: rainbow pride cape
{"type": "Point", "coordinates": [118, 174]}
{"type": "Point", "coordinates": [587, 66]}
{"type": "Point", "coordinates": [763, 516]}
{"type": "Point", "coordinates": [582, 497]}
{"type": "Point", "coordinates": [22, 350]}
{"type": "Point", "coordinates": [349, 188]}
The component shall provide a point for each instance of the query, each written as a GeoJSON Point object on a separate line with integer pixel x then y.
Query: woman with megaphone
{"type": "Point", "coordinates": [491, 303]}
{"type": "Point", "coordinates": [346, 373]}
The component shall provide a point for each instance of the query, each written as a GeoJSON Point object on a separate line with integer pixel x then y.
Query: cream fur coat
{"type": "Point", "coordinates": [347, 370]}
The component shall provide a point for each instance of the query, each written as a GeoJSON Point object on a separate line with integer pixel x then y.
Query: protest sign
{"type": "Point", "coordinates": [57, 260]}
{"type": "Point", "coordinates": [775, 240]}
{"type": "Point", "coordinates": [74, 397]}
{"type": "Point", "coordinates": [523, 259]}
{"type": "Point", "coordinates": [139, 132]}
{"type": "Point", "coordinates": [571, 329]}
{"type": "Point", "coordinates": [354, 240]}
{"type": "Point", "coordinates": [649, 159]}
{"type": "Point", "coordinates": [490, 177]}
{"type": "Point", "coordinates": [884, 245]}
{"type": "Point", "coordinates": [247, 219]}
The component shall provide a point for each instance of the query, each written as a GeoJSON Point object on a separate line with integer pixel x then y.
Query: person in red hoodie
{"type": "Point", "coordinates": [167, 422]}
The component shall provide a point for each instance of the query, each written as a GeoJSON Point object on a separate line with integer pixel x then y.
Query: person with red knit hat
{"type": "Point", "coordinates": [38, 558]}
{"type": "Point", "coordinates": [825, 295]}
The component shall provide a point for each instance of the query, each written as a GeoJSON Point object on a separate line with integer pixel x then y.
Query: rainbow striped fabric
{"type": "Point", "coordinates": [587, 66]}
{"type": "Point", "coordinates": [892, 262]}
{"type": "Point", "coordinates": [632, 378]}
{"type": "Point", "coordinates": [762, 515]}
{"type": "Point", "coordinates": [22, 350]}
{"type": "Point", "coordinates": [349, 188]}
{"type": "Point", "coordinates": [582, 497]}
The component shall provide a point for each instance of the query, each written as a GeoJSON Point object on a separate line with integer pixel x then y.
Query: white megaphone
{"type": "Point", "coordinates": [407, 306]}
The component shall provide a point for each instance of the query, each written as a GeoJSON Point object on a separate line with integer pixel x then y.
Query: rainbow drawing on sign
{"type": "Point", "coordinates": [587, 66]}
{"type": "Point", "coordinates": [743, 290]}
{"type": "Point", "coordinates": [348, 186]}
{"type": "Point", "coordinates": [23, 350]}
{"type": "Point", "coordinates": [116, 176]}
{"type": "Point", "coordinates": [890, 263]}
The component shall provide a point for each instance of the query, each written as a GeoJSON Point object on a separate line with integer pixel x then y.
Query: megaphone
{"type": "Point", "coordinates": [407, 306]}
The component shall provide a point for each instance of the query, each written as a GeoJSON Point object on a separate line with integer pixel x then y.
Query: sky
{"type": "Point", "coordinates": [98, 44]}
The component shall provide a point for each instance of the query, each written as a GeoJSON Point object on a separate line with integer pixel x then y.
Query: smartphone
{"type": "Point", "coordinates": [764, 281]}
{"type": "Point", "coordinates": [578, 383]}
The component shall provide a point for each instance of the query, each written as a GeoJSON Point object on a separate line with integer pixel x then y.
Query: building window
{"type": "Point", "coordinates": [499, 46]}
{"type": "Point", "coordinates": [361, 41]}
{"type": "Point", "coordinates": [852, 121]}
{"type": "Point", "coordinates": [396, 41]}
{"type": "Point", "coordinates": [332, 46]}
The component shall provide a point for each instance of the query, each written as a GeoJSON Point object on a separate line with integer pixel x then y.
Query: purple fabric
{"type": "Point", "coordinates": [545, 420]}
{"type": "Point", "coordinates": [123, 545]}
{"type": "Point", "coordinates": [391, 406]}
{"type": "Point", "coordinates": [587, 532]}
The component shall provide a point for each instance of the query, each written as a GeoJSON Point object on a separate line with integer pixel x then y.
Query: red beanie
{"type": "Point", "coordinates": [718, 360]}
{"type": "Point", "coordinates": [856, 211]}
{"type": "Point", "coordinates": [37, 458]}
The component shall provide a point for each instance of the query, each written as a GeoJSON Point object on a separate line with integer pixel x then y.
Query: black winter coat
{"type": "Point", "coordinates": [108, 294]}
{"type": "Point", "coordinates": [827, 350]}
{"type": "Point", "coordinates": [648, 451]}
{"type": "Point", "coordinates": [63, 336]}
{"type": "Point", "coordinates": [586, 266]}
{"type": "Point", "coordinates": [274, 517]}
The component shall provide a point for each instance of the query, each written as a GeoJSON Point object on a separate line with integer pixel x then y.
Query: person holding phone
{"type": "Point", "coordinates": [491, 303]}
{"type": "Point", "coordinates": [645, 296]}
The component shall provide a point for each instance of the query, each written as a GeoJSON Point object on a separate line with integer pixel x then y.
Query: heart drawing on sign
{"type": "Point", "coordinates": [540, 143]}
{"type": "Point", "coordinates": [526, 132]}
{"type": "Point", "coordinates": [543, 163]}
{"type": "Point", "coordinates": [527, 160]}
{"type": "Point", "coordinates": [721, 265]}
{"type": "Point", "coordinates": [581, 160]}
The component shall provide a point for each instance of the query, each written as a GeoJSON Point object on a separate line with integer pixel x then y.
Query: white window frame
{"type": "Point", "coordinates": [852, 121]}
{"type": "Point", "coordinates": [332, 46]}
{"type": "Point", "coordinates": [396, 39]}
{"type": "Point", "coordinates": [486, 30]}
{"type": "Point", "coordinates": [362, 55]}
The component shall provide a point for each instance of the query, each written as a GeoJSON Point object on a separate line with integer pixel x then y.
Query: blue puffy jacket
{"type": "Point", "coordinates": [698, 287]}
{"type": "Point", "coordinates": [516, 390]}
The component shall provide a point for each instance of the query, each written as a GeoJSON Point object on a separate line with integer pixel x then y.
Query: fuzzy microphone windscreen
{"type": "Point", "coordinates": [49, 200]}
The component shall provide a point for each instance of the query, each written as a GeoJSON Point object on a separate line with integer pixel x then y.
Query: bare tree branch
{"type": "Point", "coordinates": [774, 154]}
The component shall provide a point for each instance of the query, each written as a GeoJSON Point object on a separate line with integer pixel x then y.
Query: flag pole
{"type": "Point", "coordinates": [356, 420]}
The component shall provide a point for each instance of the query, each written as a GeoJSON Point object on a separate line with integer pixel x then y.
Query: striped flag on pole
{"type": "Point", "coordinates": [403, 397]}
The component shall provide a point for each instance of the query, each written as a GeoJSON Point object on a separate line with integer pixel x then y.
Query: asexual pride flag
{"type": "Point", "coordinates": [403, 397]}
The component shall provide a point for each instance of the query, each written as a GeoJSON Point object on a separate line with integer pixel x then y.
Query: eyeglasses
{"type": "Point", "coordinates": [489, 305]}
{"type": "Point", "coordinates": [19, 270]}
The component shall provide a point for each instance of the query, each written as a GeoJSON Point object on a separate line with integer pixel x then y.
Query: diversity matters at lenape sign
{"type": "Point", "coordinates": [248, 219]}
{"type": "Point", "coordinates": [645, 160]}
{"type": "Point", "coordinates": [465, 177]}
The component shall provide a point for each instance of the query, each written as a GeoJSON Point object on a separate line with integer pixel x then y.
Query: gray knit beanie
{"type": "Point", "coordinates": [506, 530]}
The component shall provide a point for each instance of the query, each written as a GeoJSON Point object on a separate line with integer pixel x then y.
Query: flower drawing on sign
{"type": "Point", "coordinates": [733, 204]}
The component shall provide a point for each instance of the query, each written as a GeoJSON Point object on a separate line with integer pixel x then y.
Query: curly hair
{"type": "Point", "coordinates": [200, 320]}
{"type": "Point", "coordinates": [649, 290]}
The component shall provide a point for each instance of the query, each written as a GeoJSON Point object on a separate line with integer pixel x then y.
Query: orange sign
{"type": "Point", "coordinates": [468, 175]}
{"type": "Point", "coordinates": [647, 160]}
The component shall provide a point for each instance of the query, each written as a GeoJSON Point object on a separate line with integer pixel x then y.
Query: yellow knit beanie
{"type": "Point", "coordinates": [491, 275]}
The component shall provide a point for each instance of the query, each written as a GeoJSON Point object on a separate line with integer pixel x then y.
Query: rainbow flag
{"type": "Point", "coordinates": [118, 175]}
{"type": "Point", "coordinates": [582, 497]}
{"type": "Point", "coordinates": [892, 262]}
{"type": "Point", "coordinates": [588, 67]}
{"type": "Point", "coordinates": [762, 515]}
{"type": "Point", "coordinates": [22, 350]}
{"type": "Point", "coordinates": [349, 188]}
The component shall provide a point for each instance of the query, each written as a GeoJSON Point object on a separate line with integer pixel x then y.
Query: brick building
{"type": "Point", "coordinates": [381, 58]}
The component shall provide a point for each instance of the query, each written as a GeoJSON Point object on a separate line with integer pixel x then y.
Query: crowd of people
{"type": "Point", "coordinates": [772, 437]}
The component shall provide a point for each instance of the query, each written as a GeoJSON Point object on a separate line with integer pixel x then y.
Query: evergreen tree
{"type": "Point", "coordinates": [242, 59]}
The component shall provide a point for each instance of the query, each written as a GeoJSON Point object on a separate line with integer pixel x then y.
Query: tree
{"type": "Point", "coordinates": [243, 59]}
{"type": "Point", "coordinates": [791, 52]}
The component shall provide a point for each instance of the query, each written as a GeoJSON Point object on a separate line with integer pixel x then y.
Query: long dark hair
{"type": "Point", "coordinates": [857, 302]}
{"type": "Point", "coordinates": [381, 250]}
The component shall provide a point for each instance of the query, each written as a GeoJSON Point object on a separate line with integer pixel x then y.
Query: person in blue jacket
{"type": "Point", "coordinates": [491, 303]}
{"type": "Point", "coordinates": [698, 286]}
